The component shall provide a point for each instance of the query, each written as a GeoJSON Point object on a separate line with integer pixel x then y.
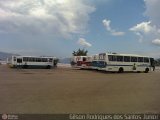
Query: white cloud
{"type": "Point", "coordinates": [83, 42]}
{"type": "Point", "coordinates": [144, 27]}
{"type": "Point", "coordinates": [148, 31]}
{"type": "Point", "coordinates": [152, 11]}
{"type": "Point", "coordinates": [113, 32]}
{"type": "Point", "coordinates": [156, 42]}
{"type": "Point", "coordinates": [58, 17]}
{"type": "Point", "coordinates": [106, 23]}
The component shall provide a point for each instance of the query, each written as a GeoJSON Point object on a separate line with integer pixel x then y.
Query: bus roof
{"type": "Point", "coordinates": [36, 56]}
{"type": "Point", "coordinates": [135, 55]}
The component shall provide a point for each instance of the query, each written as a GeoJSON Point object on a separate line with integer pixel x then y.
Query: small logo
{"type": "Point", "coordinates": [4, 116]}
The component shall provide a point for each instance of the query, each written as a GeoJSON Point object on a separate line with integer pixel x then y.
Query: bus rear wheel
{"type": "Point", "coordinates": [48, 67]}
{"type": "Point", "coordinates": [146, 70]}
{"type": "Point", "coordinates": [120, 70]}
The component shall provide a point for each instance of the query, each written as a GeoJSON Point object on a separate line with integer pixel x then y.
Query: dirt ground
{"type": "Point", "coordinates": [65, 90]}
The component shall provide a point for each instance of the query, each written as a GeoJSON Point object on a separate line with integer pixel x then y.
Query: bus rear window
{"type": "Point", "coordinates": [14, 58]}
{"type": "Point", "coordinates": [102, 56]}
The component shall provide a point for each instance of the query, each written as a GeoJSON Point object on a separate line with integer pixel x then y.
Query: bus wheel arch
{"type": "Point", "coordinates": [146, 70]}
{"type": "Point", "coordinates": [121, 70]}
{"type": "Point", "coordinates": [48, 67]}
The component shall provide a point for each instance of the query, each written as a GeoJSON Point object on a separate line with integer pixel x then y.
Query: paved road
{"type": "Point", "coordinates": [77, 91]}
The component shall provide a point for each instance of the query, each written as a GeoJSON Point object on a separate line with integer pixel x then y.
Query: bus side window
{"type": "Point", "coordinates": [127, 58]}
{"type": "Point", "coordinates": [25, 59]}
{"type": "Point", "coordinates": [38, 59]}
{"type": "Point", "coordinates": [133, 59]}
{"type": "Point", "coordinates": [44, 59]}
{"type": "Point", "coordinates": [34, 59]}
{"type": "Point", "coordinates": [112, 58]}
{"type": "Point", "coordinates": [140, 59]}
{"type": "Point", "coordinates": [119, 58]}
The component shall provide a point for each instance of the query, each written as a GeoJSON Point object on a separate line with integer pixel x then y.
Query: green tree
{"type": "Point", "coordinates": [80, 52]}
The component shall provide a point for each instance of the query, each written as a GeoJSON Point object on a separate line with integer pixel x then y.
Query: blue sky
{"type": "Point", "coordinates": [57, 27]}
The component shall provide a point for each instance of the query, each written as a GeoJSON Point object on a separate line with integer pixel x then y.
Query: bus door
{"type": "Point", "coordinates": [55, 62]}
{"type": "Point", "coordinates": [51, 60]}
{"type": "Point", "coordinates": [84, 61]}
{"type": "Point", "coordinates": [152, 63]}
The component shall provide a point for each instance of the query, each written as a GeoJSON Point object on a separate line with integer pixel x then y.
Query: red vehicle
{"type": "Point", "coordinates": [82, 61]}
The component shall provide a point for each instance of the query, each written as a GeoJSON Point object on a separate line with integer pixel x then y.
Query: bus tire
{"type": "Point", "coordinates": [120, 70]}
{"type": "Point", "coordinates": [48, 67]}
{"type": "Point", "coordinates": [146, 70]}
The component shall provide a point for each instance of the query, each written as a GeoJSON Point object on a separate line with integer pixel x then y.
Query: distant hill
{"type": "Point", "coordinates": [4, 55]}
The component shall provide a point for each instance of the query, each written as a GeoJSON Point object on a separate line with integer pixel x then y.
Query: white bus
{"type": "Point", "coordinates": [124, 62]}
{"type": "Point", "coordinates": [95, 61]}
{"type": "Point", "coordinates": [32, 62]}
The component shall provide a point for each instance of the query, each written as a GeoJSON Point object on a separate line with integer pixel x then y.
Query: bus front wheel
{"type": "Point", "coordinates": [120, 70]}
